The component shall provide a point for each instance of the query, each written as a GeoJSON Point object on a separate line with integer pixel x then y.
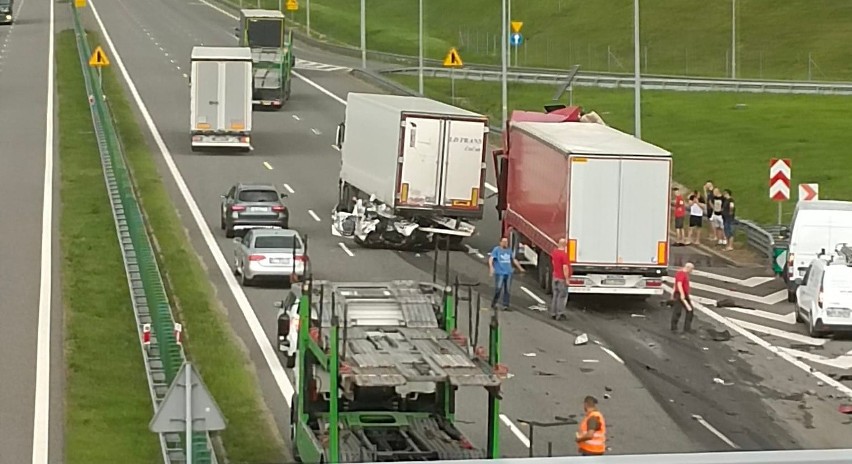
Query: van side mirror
{"type": "Point", "coordinates": [341, 134]}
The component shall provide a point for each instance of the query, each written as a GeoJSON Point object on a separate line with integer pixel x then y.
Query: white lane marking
{"type": "Point", "coordinates": [345, 249]}
{"type": "Point", "coordinates": [178, 68]}
{"type": "Point", "coordinates": [715, 431]}
{"type": "Point", "coordinates": [296, 117]}
{"type": "Point", "coordinates": [532, 295]}
{"type": "Point", "coordinates": [490, 187]}
{"type": "Point", "coordinates": [843, 362]}
{"type": "Point", "coordinates": [698, 299]}
{"type": "Point", "coordinates": [267, 165]}
{"type": "Point", "coordinates": [289, 189]}
{"type": "Point", "coordinates": [612, 353]}
{"type": "Point", "coordinates": [731, 324]}
{"type": "Point", "coordinates": [184, 75]}
{"type": "Point", "coordinates": [336, 148]}
{"type": "Point", "coordinates": [780, 333]}
{"type": "Point", "coordinates": [771, 299]}
{"type": "Point", "coordinates": [751, 282]}
{"type": "Point", "coordinates": [41, 409]}
{"type": "Point", "coordinates": [473, 251]}
{"type": "Point", "coordinates": [314, 215]}
{"type": "Point", "coordinates": [266, 349]}
{"type": "Point", "coordinates": [789, 318]}
{"type": "Point", "coordinates": [515, 430]}
{"type": "Point", "coordinates": [316, 132]}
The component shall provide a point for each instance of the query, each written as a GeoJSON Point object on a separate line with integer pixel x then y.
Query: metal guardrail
{"type": "Point", "coordinates": [164, 357]}
{"type": "Point", "coordinates": [764, 240]}
{"type": "Point", "coordinates": [682, 84]}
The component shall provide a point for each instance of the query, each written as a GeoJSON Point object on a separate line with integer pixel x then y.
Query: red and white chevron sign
{"type": "Point", "coordinates": [779, 179]}
{"type": "Point", "coordinates": [808, 192]}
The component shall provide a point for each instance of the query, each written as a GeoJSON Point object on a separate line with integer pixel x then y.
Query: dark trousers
{"type": "Point", "coordinates": [677, 308]}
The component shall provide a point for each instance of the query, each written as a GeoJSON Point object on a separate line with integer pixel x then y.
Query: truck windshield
{"type": "Point", "coordinates": [265, 33]}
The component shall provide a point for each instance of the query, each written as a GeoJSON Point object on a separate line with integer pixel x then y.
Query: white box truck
{"type": "Point", "coordinates": [411, 167]}
{"type": "Point", "coordinates": [221, 92]}
{"type": "Point", "coordinates": [605, 191]}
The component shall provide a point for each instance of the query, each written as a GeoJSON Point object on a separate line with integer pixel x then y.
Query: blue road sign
{"type": "Point", "coordinates": [516, 39]}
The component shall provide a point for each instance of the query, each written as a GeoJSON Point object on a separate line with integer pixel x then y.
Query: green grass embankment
{"type": "Point", "coordinates": [683, 37]}
{"type": "Point", "coordinates": [726, 137]}
{"type": "Point", "coordinates": [107, 403]}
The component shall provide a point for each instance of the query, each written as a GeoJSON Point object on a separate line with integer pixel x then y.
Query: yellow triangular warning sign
{"type": "Point", "coordinates": [453, 59]}
{"type": "Point", "coordinates": [99, 58]}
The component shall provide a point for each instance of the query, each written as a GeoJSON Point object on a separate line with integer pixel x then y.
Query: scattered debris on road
{"type": "Point", "coordinates": [530, 355]}
{"type": "Point", "coordinates": [590, 360]}
{"type": "Point", "coordinates": [581, 339]}
{"type": "Point", "coordinates": [719, 336]}
{"type": "Point", "coordinates": [638, 315]}
{"type": "Point", "coordinates": [543, 373]}
{"type": "Point", "coordinates": [719, 381]}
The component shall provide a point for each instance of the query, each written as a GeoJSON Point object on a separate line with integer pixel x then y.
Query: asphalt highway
{"type": "Point", "coordinates": [659, 387]}
{"type": "Point", "coordinates": [30, 359]}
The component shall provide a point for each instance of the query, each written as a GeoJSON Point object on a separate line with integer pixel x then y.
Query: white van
{"type": "Point", "coordinates": [817, 227]}
{"type": "Point", "coordinates": [824, 298]}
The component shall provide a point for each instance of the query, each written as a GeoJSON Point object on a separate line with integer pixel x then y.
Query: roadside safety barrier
{"type": "Point", "coordinates": [162, 352]}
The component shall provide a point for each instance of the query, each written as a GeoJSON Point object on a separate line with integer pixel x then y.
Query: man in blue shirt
{"type": "Point", "coordinates": [500, 267]}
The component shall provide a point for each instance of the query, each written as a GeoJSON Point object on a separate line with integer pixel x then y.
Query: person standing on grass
{"type": "Point", "coordinates": [696, 215]}
{"type": "Point", "coordinates": [680, 299]}
{"type": "Point", "coordinates": [561, 273]}
{"type": "Point", "coordinates": [716, 220]}
{"type": "Point", "coordinates": [729, 215]}
{"type": "Point", "coordinates": [707, 195]}
{"type": "Point", "coordinates": [500, 264]}
{"type": "Point", "coordinates": [679, 207]}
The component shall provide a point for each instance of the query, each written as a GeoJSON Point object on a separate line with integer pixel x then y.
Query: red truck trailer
{"type": "Point", "coordinates": [606, 192]}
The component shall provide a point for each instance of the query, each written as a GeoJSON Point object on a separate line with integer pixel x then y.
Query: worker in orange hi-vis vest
{"type": "Point", "coordinates": [591, 438]}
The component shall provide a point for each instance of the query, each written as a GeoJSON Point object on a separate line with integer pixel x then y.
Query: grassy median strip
{"type": "Point", "coordinates": [107, 405]}
{"type": "Point", "coordinates": [251, 436]}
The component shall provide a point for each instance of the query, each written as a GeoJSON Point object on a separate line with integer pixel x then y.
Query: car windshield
{"type": "Point", "coordinates": [5, 2]}
{"type": "Point", "coordinates": [259, 196]}
{"type": "Point", "coordinates": [277, 241]}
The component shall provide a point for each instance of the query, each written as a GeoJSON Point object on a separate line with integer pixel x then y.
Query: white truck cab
{"type": "Point", "coordinates": [824, 296]}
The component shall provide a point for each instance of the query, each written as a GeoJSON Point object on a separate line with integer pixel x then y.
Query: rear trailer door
{"type": "Point", "coordinates": [206, 90]}
{"type": "Point", "coordinates": [422, 142]}
{"type": "Point", "coordinates": [643, 214]}
{"type": "Point", "coordinates": [464, 166]}
{"type": "Point", "coordinates": [593, 210]}
{"type": "Point", "coordinates": [236, 95]}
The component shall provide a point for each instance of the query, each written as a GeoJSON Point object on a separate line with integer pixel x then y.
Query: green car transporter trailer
{"type": "Point", "coordinates": [381, 412]}
{"type": "Point", "coordinates": [263, 31]}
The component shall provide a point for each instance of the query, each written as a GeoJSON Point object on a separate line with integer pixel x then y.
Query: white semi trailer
{"type": "Point", "coordinates": [411, 167]}
{"type": "Point", "coordinates": [221, 98]}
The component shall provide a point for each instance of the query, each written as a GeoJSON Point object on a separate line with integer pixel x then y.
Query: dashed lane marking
{"type": "Point", "coordinates": [345, 249]}
{"type": "Point", "coordinates": [314, 215]}
{"type": "Point", "coordinates": [532, 295]}
{"type": "Point", "coordinates": [296, 117]}
{"type": "Point", "coordinates": [288, 188]}
{"type": "Point", "coordinates": [267, 165]}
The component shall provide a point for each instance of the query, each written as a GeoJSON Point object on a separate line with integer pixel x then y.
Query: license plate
{"type": "Point", "coordinates": [221, 138]}
{"type": "Point", "coordinates": [279, 261]}
{"type": "Point", "coordinates": [613, 281]}
{"type": "Point", "coordinates": [832, 312]}
{"type": "Point", "coordinates": [258, 209]}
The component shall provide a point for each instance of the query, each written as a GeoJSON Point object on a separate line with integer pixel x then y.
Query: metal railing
{"type": "Point", "coordinates": [615, 81]}
{"type": "Point", "coordinates": [164, 357]}
{"type": "Point", "coordinates": [764, 239]}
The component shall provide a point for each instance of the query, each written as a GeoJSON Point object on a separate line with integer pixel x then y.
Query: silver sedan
{"type": "Point", "coordinates": [269, 254]}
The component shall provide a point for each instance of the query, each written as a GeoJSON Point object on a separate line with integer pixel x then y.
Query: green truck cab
{"type": "Point", "coordinates": [263, 31]}
{"type": "Point", "coordinates": [7, 11]}
{"type": "Point", "coordinates": [377, 371]}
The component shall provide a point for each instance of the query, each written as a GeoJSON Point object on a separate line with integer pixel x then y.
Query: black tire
{"type": "Point", "coordinates": [293, 412]}
{"type": "Point", "coordinates": [542, 258]}
{"type": "Point", "coordinates": [244, 281]}
{"type": "Point", "coordinates": [812, 330]}
{"type": "Point", "coordinates": [548, 277]}
{"type": "Point", "coordinates": [799, 317]}
{"type": "Point", "coordinates": [222, 222]}
{"type": "Point", "coordinates": [290, 361]}
{"type": "Point", "coordinates": [229, 232]}
{"type": "Point", "coordinates": [791, 296]}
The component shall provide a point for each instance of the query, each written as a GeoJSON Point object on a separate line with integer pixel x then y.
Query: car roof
{"type": "Point", "coordinates": [275, 233]}
{"type": "Point", "coordinates": [255, 186]}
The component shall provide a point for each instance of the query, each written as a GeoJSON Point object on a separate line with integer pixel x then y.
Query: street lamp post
{"type": "Point", "coordinates": [308, 17]}
{"type": "Point", "coordinates": [503, 49]}
{"type": "Point", "coordinates": [733, 39]}
{"type": "Point", "coordinates": [420, 57]}
{"type": "Point", "coordinates": [637, 82]}
{"type": "Point", "coordinates": [364, 34]}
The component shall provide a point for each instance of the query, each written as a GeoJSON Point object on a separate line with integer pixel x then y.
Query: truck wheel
{"type": "Point", "coordinates": [542, 274]}
{"type": "Point", "coordinates": [295, 447]}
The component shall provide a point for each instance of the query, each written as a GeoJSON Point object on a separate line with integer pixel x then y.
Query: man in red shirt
{"type": "Point", "coordinates": [561, 273]}
{"type": "Point", "coordinates": [680, 298]}
{"type": "Point", "coordinates": [679, 206]}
